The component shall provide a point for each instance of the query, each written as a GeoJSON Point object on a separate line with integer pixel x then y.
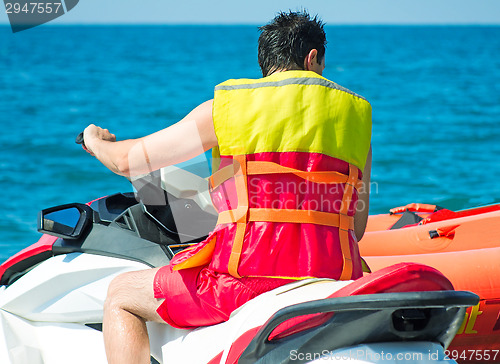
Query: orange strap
{"type": "Point", "coordinates": [291, 216]}
{"type": "Point", "coordinates": [259, 167]}
{"type": "Point", "coordinates": [221, 176]}
{"type": "Point", "coordinates": [242, 214]}
{"type": "Point", "coordinates": [202, 257]}
{"type": "Point", "coordinates": [242, 211]}
{"type": "Point", "coordinates": [345, 223]}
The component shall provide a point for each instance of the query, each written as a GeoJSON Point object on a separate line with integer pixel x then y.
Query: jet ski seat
{"type": "Point", "coordinates": [401, 277]}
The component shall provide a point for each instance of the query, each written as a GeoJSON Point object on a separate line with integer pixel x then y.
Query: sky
{"type": "Point", "coordinates": [261, 11]}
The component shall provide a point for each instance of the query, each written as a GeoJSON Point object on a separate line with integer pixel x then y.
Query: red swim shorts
{"type": "Point", "coordinates": [200, 297]}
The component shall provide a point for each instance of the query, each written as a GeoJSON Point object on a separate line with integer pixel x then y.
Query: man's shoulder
{"type": "Point", "coordinates": [330, 84]}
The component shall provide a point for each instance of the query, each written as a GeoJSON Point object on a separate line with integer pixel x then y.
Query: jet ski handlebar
{"type": "Point", "coordinates": [79, 139]}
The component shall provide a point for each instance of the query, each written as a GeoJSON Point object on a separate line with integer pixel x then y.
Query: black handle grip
{"type": "Point", "coordinates": [79, 139]}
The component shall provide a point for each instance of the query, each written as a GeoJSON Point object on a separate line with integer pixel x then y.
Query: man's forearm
{"type": "Point", "coordinates": [184, 140]}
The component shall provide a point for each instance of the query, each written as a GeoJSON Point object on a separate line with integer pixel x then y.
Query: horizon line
{"type": "Point", "coordinates": [258, 24]}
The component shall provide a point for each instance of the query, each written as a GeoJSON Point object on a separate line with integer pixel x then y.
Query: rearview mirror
{"type": "Point", "coordinates": [69, 221]}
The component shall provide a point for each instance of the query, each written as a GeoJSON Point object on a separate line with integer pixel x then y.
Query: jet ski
{"type": "Point", "coordinates": [52, 292]}
{"type": "Point", "coordinates": [463, 245]}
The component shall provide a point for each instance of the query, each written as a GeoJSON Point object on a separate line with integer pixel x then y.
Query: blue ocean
{"type": "Point", "coordinates": [435, 93]}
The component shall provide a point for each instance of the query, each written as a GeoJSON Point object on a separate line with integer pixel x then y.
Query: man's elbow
{"type": "Point", "coordinates": [122, 166]}
{"type": "Point", "coordinates": [360, 222]}
{"type": "Point", "coordinates": [359, 233]}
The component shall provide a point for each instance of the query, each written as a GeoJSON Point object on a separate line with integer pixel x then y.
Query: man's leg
{"type": "Point", "coordinates": [129, 304]}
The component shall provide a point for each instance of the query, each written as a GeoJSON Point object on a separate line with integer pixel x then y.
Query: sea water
{"type": "Point", "coordinates": [435, 93]}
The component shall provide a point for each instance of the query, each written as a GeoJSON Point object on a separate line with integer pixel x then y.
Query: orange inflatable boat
{"type": "Point", "coordinates": [465, 247]}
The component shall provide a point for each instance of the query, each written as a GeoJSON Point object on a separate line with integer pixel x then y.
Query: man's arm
{"type": "Point", "coordinates": [182, 141]}
{"type": "Point", "coordinates": [361, 216]}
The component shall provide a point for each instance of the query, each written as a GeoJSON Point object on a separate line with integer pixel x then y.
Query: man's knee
{"type": "Point", "coordinates": [133, 292]}
{"type": "Point", "coordinates": [118, 292]}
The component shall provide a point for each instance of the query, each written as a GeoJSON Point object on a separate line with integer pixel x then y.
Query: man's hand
{"type": "Point", "coordinates": [93, 133]}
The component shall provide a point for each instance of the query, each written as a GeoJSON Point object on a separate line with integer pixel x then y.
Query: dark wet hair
{"type": "Point", "coordinates": [285, 42]}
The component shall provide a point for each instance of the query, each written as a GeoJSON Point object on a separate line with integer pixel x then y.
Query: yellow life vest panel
{"type": "Point", "coordinates": [292, 111]}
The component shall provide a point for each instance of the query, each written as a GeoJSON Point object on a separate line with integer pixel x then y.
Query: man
{"type": "Point", "coordinates": [292, 148]}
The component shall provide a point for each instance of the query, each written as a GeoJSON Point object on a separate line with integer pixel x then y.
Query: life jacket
{"type": "Point", "coordinates": [291, 148]}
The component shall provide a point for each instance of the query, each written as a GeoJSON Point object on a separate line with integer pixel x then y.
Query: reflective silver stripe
{"type": "Point", "coordinates": [289, 81]}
